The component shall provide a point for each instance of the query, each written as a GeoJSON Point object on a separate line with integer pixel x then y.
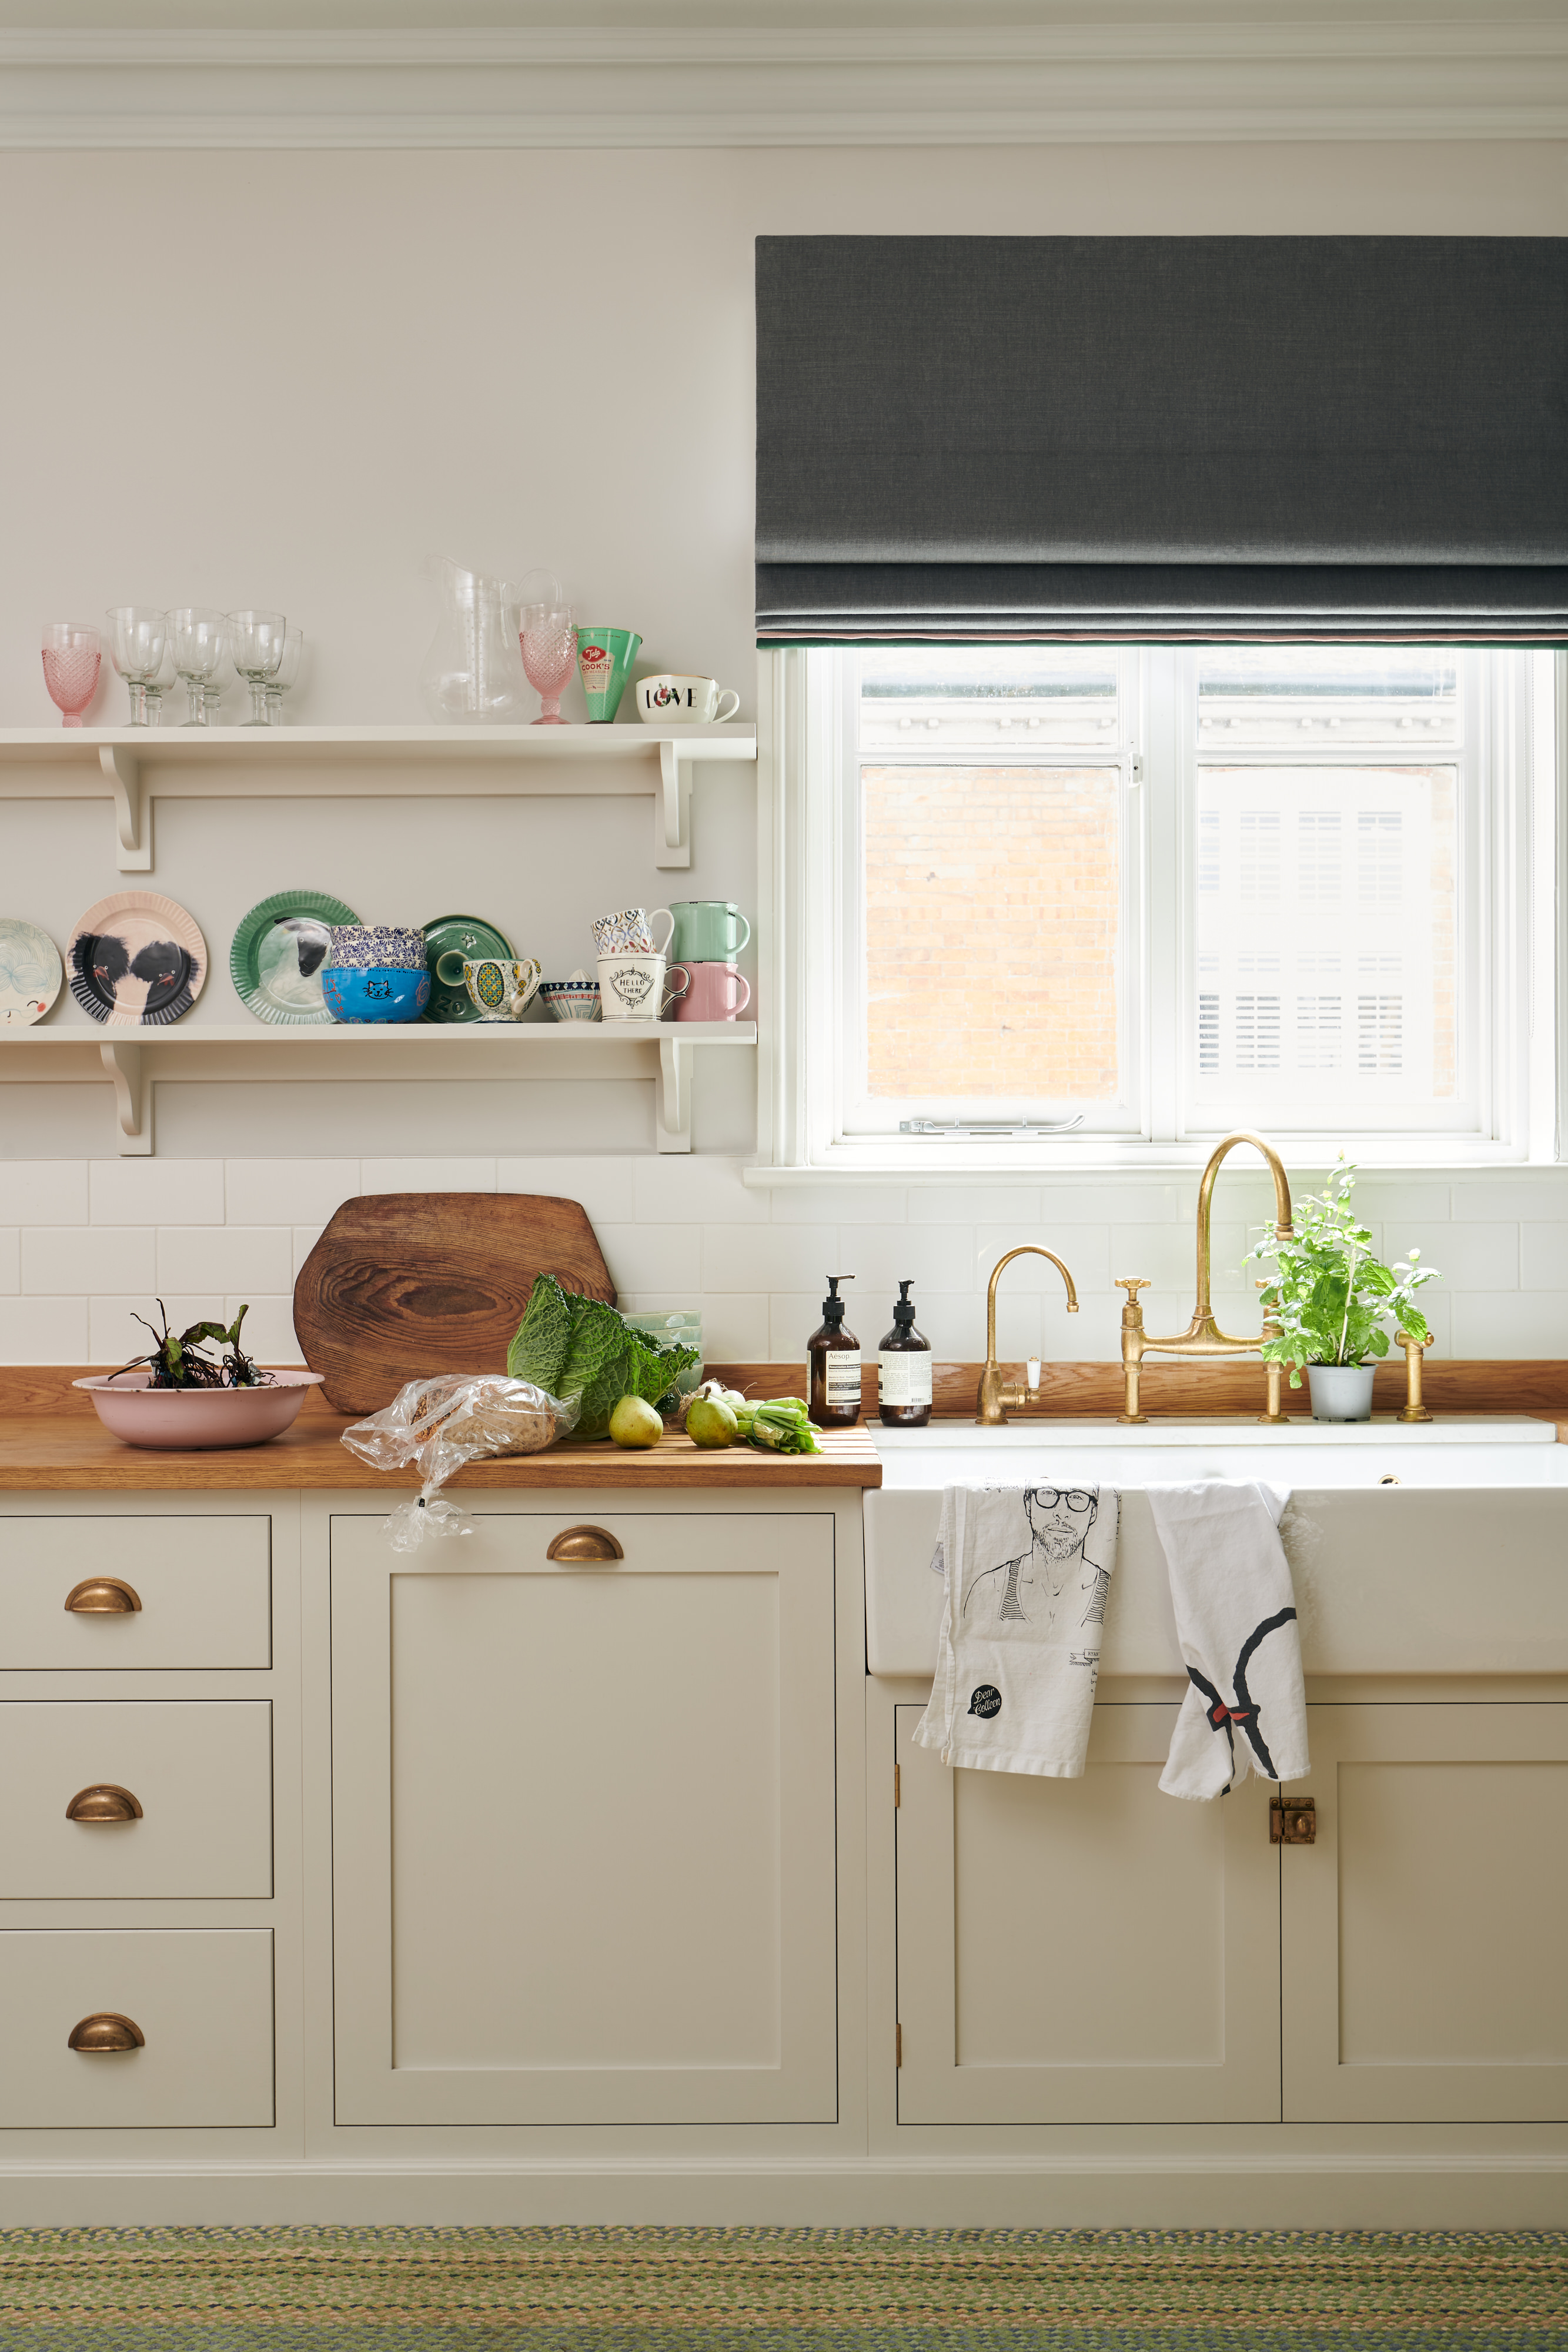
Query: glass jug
{"type": "Point", "coordinates": [474, 670]}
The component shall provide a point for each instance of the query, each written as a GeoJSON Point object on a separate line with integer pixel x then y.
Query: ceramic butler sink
{"type": "Point", "coordinates": [1461, 1567]}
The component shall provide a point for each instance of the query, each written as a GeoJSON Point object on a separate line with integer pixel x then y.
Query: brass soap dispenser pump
{"type": "Point", "coordinates": [833, 1365]}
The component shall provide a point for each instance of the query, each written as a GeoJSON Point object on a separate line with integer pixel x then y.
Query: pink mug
{"type": "Point", "coordinates": [715, 992]}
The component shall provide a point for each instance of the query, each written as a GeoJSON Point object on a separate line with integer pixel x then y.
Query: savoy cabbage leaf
{"type": "Point", "coordinates": [578, 1347]}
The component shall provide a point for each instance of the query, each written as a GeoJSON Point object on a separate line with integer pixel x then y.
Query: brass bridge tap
{"type": "Point", "coordinates": [1203, 1335]}
{"type": "Point", "coordinates": [993, 1396]}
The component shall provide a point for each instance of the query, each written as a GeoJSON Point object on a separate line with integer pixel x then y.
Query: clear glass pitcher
{"type": "Point", "coordinates": [474, 670]}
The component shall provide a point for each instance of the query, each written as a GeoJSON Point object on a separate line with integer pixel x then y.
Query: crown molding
{"type": "Point", "coordinates": [613, 88]}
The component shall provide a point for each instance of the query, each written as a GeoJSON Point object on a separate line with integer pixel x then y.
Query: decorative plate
{"type": "Point", "coordinates": [137, 960]}
{"type": "Point", "coordinates": [276, 955]}
{"type": "Point", "coordinates": [30, 972]}
{"type": "Point", "coordinates": [467, 936]}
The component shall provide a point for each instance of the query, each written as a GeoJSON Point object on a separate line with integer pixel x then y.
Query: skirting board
{"type": "Point", "coordinates": [1504, 2192]}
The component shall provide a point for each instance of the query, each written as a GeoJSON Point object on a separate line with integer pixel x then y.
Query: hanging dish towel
{"type": "Point", "coordinates": [1236, 1621]}
{"type": "Point", "coordinates": [1026, 1571]}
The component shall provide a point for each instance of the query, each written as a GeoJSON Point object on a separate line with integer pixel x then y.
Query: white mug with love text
{"type": "Point", "coordinates": [668, 700]}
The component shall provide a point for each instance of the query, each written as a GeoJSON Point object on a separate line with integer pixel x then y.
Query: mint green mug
{"type": "Point", "coordinates": [707, 930]}
{"type": "Point", "coordinates": [604, 657]}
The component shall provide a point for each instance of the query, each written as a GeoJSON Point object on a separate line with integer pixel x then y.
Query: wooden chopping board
{"type": "Point", "coordinates": [403, 1285]}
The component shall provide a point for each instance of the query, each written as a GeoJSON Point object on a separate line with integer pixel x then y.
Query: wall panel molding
{"type": "Point", "coordinates": [612, 87]}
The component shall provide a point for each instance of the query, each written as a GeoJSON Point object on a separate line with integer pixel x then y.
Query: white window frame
{"type": "Point", "coordinates": [806, 747]}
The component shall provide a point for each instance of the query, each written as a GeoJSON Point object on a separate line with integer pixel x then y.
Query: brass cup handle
{"type": "Point", "coordinates": [103, 1596]}
{"type": "Point", "coordinates": [106, 1800]}
{"type": "Point", "coordinates": [105, 2032]}
{"type": "Point", "coordinates": [584, 1544]}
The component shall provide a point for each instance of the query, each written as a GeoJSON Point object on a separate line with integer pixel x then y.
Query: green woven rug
{"type": "Point", "coordinates": [759, 2290]}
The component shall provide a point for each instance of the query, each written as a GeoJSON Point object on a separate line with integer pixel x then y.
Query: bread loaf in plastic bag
{"type": "Point", "coordinates": [441, 1423]}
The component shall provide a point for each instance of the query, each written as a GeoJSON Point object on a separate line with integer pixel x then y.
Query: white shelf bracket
{"type": "Point", "coordinates": [132, 810]}
{"type": "Point", "coordinates": [132, 1098]}
{"type": "Point", "coordinates": [673, 809]}
{"type": "Point", "coordinates": [673, 1106]}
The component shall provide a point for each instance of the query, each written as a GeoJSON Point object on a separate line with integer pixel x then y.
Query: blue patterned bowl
{"type": "Point", "coordinates": [374, 993]}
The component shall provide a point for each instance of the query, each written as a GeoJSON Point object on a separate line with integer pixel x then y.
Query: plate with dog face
{"type": "Point", "coordinates": [137, 960]}
{"type": "Point", "coordinates": [30, 972]}
{"type": "Point", "coordinates": [277, 952]}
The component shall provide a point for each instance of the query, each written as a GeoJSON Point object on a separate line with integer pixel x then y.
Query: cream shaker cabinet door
{"type": "Point", "coordinates": [199, 1771]}
{"type": "Point", "coordinates": [1084, 1952]}
{"type": "Point", "coordinates": [1426, 1930]}
{"type": "Point", "coordinates": [135, 1590]}
{"type": "Point", "coordinates": [583, 1823]}
{"type": "Point", "coordinates": [200, 1998]}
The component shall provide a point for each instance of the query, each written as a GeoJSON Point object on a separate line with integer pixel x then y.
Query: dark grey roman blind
{"type": "Point", "coordinates": [1158, 439]}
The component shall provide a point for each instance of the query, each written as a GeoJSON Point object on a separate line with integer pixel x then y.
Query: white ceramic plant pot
{"type": "Point", "coordinates": [1341, 1391]}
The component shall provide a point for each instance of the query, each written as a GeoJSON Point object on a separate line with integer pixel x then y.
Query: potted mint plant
{"type": "Point", "coordinates": [1332, 1300]}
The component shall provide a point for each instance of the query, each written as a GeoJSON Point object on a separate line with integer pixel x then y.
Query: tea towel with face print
{"type": "Point", "coordinates": [1246, 1705]}
{"type": "Point", "coordinates": [1026, 1571]}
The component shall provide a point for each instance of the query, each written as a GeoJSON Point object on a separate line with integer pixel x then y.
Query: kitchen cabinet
{"type": "Point", "coordinates": [584, 1821]}
{"type": "Point", "coordinates": [1083, 1951]}
{"type": "Point", "coordinates": [198, 1772]}
{"type": "Point", "coordinates": [201, 2000]}
{"type": "Point", "coordinates": [1425, 1934]}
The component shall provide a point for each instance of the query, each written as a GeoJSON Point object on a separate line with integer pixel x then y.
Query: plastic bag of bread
{"type": "Point", "coordinates": [441, 1423]}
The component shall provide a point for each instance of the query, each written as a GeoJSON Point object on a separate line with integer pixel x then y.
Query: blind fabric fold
{"type": "Point", "coordinates": [1163, 439]}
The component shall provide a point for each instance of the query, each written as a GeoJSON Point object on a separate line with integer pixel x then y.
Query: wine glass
{"type": "Point", "coordinates": [200, 640]}
{"type": "Point", "coordinates": [137, 637]}
{"type": "Point", "coordinates": [158, 685]}
{"type": "Point", "coordinates": [550, 655]}
{"type": "Point", "coordinates": [258, 641]}
{"type": "Point", "coordinates": [287, 674]}
{"type": "Point", "coordinates": [72, 653]}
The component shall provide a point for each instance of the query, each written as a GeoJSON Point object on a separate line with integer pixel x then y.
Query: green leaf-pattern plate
{"type": "Point", "coordinates": [465, 935]}
{"type": "Point", "coordinates": [277, 952]}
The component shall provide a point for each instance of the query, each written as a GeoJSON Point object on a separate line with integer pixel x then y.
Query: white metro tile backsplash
{"type": "Point", "coordinates": [84, 1244]}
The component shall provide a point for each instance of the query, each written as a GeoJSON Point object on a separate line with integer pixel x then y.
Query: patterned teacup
{"type": "Point", "coordinates": [630, 932]}
{"type": "Point", "coordinates": [500, 988]}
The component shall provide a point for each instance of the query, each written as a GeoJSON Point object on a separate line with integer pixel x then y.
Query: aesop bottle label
{"type": "Point", "coordinates": [843, 1380]}
{"type": "Point", "coordinates": [903, 1377]}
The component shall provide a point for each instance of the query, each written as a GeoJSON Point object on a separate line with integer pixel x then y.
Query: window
{"type": "Point", "coordinates": [1079, 898]}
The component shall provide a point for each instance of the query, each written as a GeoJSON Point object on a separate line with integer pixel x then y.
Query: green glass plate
{"type": "Point", "coordinates": [277, 954]}
{"type": "Point", "coordinates": [464, 935]}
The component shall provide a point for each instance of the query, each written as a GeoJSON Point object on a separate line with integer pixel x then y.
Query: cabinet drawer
{"type": "Point", "coordinates": [204, 1586]}
{"type": "Point", "coordinates": [201, 1997]}
{"type": "Point", "coordinates": [200, 1769]}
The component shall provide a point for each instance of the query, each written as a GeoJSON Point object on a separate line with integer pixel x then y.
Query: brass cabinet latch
{"type": "Point", "coordinates": [1294, 1820]}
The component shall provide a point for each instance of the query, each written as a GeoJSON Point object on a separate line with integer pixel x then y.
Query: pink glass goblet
{"type": "Point", "coordinates": [71, 656]}
{"type": "Point", "coordinates": [550, 655]}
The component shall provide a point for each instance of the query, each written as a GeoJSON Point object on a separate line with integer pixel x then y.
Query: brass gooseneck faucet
{"type": "Point", "coordinates": [993, 1396]}
{"type": "Point", "coordinates": [1203, 1335]}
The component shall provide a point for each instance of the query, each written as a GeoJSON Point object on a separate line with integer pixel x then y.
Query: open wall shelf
{"type": "Point", "coordinates": [133, 767]}
{"type": "Point", "coordinates": [130, 1060]}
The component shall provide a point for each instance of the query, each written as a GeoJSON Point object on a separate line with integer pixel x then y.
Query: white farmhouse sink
{"type": "Point", "coordinates": [1498, 1452]}
{"type": "Point", "coordinates": [1461, 1567]}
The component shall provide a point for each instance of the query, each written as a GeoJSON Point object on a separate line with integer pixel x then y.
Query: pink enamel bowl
{"type": "Point", "coordinates": [142, 1415]}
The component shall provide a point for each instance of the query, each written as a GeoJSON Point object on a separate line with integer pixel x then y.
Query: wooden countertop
{"type": "Point", "coordinates": [65, 1453]}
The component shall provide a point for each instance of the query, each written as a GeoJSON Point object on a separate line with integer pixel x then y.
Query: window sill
{"type": "Point", "coordinates": [1108, 1161]}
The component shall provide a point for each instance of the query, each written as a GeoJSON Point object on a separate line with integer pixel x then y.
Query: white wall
{"type": "Point", "coordinates": [283, 379]}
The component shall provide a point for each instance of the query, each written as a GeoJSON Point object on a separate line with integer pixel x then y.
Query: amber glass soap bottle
{"type": "Point", "coordinates": [833, 1365]}
{"type": "Point", "coordinates": [903, 1368]}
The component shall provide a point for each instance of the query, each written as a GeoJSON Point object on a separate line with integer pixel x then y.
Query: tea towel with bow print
{"type": "Point", "coordinates": [1026, 1571]}
{"type": "Point", "coordinates": [1245, 1707]}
